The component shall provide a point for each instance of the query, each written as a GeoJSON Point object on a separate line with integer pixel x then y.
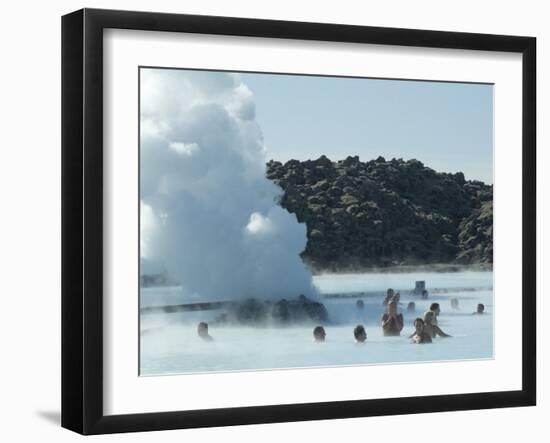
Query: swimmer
{"type": "Point", "coordinates": [360, 304]}
{"type": "Point", "coordinates": [480, 309]}
{"type": "Point", "coordinates": [392, 322]}
{"type": "Point", "coordinates": [360, 334]}
{"type": "Point", "coordinates": [396, 297]}
{"type": "Point", "coordinates": [411, 307]}
{"type": "Point", "coordinates": [424, 294]}
{"type": "Point", "coordinates": [319, 334]}
{"type": "Point", "coordinates": [389, 294]}
{"type": "Point", "coordinates": [434, 307]}
{"type": "Point", "coordinates": [430, 327]}
{"type": "Point", "coordinates": [202, 331]}
{"type": "Point", "coordinates": [454, 303]}
{"type": "Point", "coordinates": [420, 336]}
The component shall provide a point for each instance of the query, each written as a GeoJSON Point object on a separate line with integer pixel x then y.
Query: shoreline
{"type": "Point", "coordinates": [405, 269]}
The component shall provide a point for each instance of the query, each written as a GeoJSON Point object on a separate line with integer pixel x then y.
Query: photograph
{"type": "Point", "coordinates": [269, 222]}
{"type": "Point", "coordinates": [292, 221]}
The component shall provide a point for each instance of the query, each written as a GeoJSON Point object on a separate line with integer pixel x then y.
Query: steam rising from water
{"type": "Point", "coordinates": [208, 213]}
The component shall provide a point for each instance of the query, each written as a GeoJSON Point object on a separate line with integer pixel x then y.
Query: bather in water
{"type": "Point", "coordinates": [420, 336]}
{"type": "Point", "coordinates": [392, 322]}
{"type": "Point", "coordinates": [397, 297]}
{"type": "Point", "coordinates": [202, 331]}
{"type": "Point", "coordinates": [434, 307]}
{"type": "Point", "coordinates": [360, 334]}
{"type": "Point", "coordinates": [454, 303]}
{"type": "Point", "coordinates": [319, 334]}
{"type": "Point", "coordinates": [389, 295]}
{"type": "Point", "coordinates": [480, 309]}
{"type": "Point", "coordinates": [411, 307]}
{"type": "Point", "coordinates": [430, 327]}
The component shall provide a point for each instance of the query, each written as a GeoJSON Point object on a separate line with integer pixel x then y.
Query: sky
{"type": "Point", "coordinates": [447, 126]}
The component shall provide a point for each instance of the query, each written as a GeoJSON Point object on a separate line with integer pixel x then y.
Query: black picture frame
{"type": "Point", "coordinates": [82, 220]}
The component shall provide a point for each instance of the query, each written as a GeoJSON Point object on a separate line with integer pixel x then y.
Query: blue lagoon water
{"type": "Point", "coordinates": [169, 342]}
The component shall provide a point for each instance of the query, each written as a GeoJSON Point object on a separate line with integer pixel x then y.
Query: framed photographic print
{"type": "Point", "coordinates": [269, 221]}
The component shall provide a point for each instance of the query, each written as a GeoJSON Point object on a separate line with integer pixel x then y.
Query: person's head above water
{"type": "Point", "coordinates": [202, 330]}
{"type": "Point", "coordinates": [480, 308]}
{"type": "Point", "coordinates": [360, 334]}
{"type": "Point", "coordinates": [435, 308]}
{"type": "Point", "coordinates": [424, 294]}
{"type": "Point", "coordinates": [319, 333]}
{"type": "Point", "coordinates": [360, 304]}
{"type": "Point", "coordinates": [411, 307]}
{"type": "Point", "coordinates": [390, 293]}
{"type": "Point", "coordinates": [419, 326]}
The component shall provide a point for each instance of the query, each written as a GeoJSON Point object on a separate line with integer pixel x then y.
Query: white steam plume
{"type": "Point", "coordinates": [208, 213]}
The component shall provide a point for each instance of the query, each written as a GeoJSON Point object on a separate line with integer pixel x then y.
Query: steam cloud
{"type": "Point", "coordinates": [208, 213]}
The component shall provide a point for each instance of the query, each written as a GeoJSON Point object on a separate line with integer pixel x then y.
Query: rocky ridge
{"type": "Point", "coordinates": [385, 212]}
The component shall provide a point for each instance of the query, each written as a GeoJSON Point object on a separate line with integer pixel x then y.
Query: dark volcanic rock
{"type": "Point", "coordinates": [255, 312]}
{"type": "Point", "coordinates": [475, 236]}
{"type": "Point", "coordinates": [380, 213]}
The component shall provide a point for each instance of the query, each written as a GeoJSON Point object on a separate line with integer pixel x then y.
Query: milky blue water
{"type": "Point", "coordinates": [169, 342]}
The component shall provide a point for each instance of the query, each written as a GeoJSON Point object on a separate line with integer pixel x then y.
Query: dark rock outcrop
{"type": "Point", "coordinates": [256, 312]}
{"type": "Point", "coordinates": [475, 236]}
{"type": "Point", "coordinates": [383, 213]}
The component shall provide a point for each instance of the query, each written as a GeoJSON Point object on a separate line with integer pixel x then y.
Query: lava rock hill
{"type": "Point", "coordinates": [384, 213]}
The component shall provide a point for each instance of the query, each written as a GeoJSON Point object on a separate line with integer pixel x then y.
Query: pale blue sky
{"type": "Point", "coordinates": [447, 126]}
